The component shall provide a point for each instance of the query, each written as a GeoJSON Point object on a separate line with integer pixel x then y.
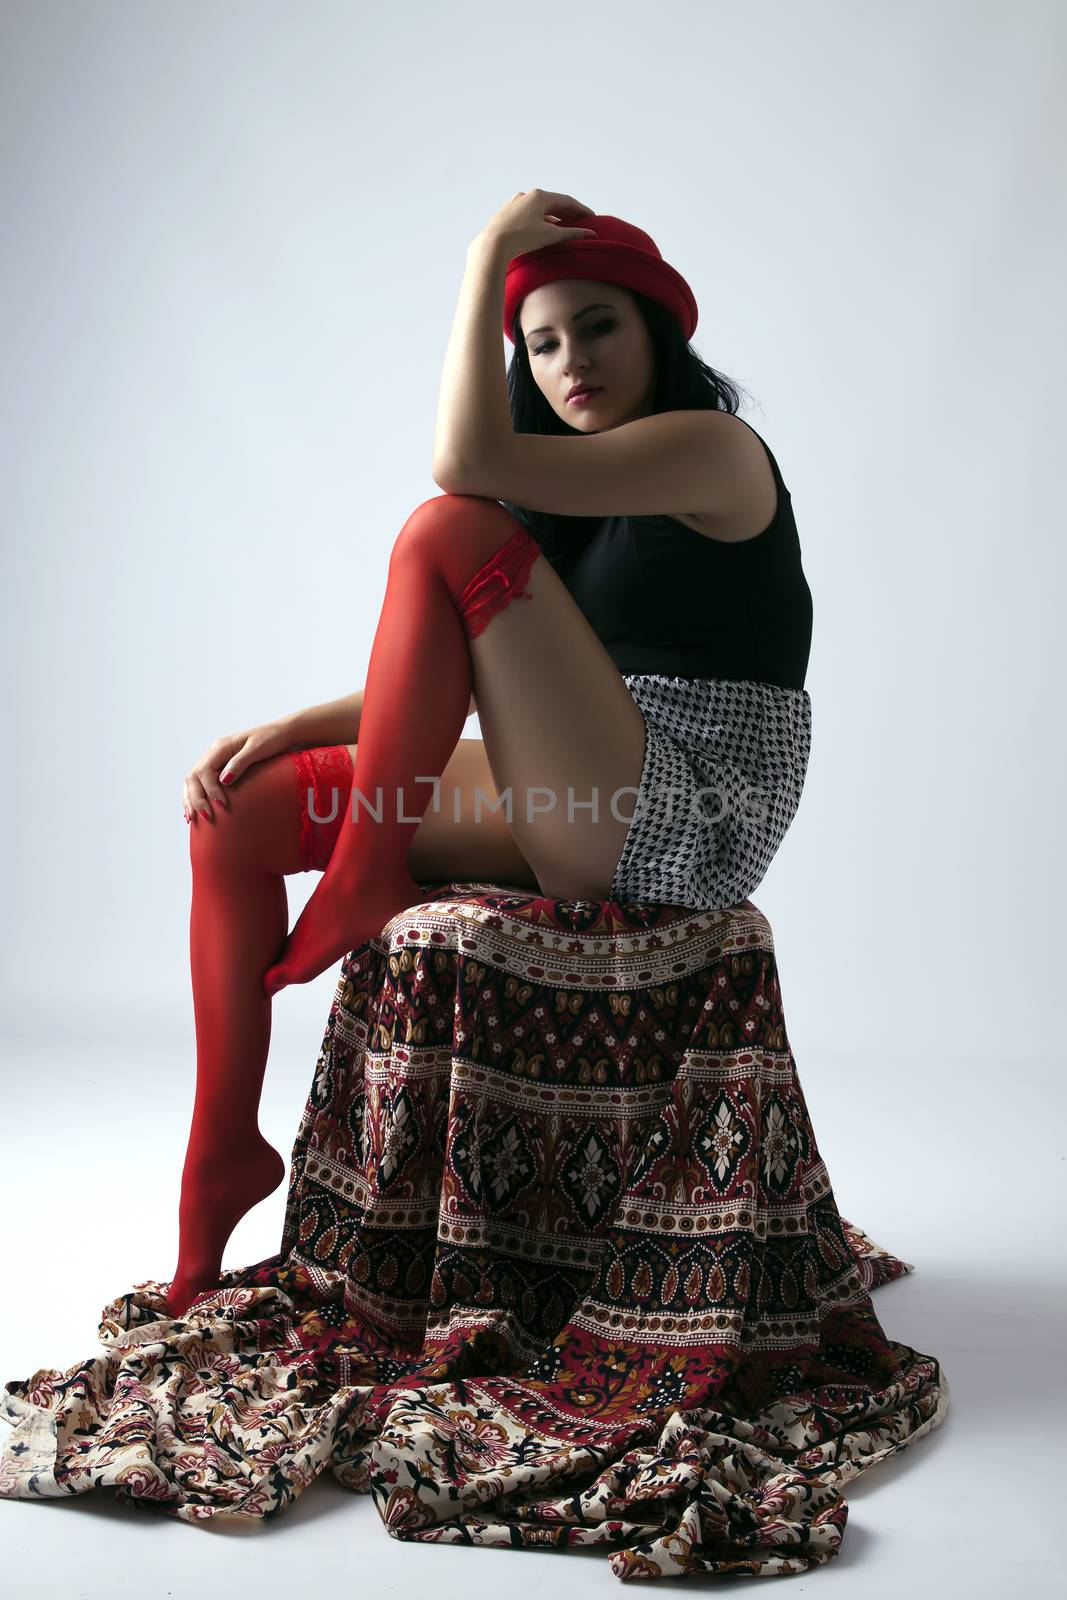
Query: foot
{"type": "Point", "coordinates": [215, 1195]}
{"type": "Point", "coordinates": [336, 920]}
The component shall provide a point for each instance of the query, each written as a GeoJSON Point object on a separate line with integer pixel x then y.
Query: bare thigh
{"type": "Point", "coordinates": [562, 734]}
{"type": "Point", "coordinates": [467, 837]}
{"type": "Point", "coordinates": [563, 738]}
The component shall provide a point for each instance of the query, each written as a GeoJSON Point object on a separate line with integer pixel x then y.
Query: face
{"type": "Point", "coordinates": [578, 330]}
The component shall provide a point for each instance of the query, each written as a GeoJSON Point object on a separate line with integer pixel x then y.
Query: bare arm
{"type": "Point", "coordinates": [333, 722]}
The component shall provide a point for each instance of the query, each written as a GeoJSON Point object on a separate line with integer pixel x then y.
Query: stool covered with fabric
{"type": "Point", "coordinates": [561, 1265]}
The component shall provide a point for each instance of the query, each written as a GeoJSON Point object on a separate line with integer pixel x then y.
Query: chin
{"type": "Point", "coordinates": [590, 425]}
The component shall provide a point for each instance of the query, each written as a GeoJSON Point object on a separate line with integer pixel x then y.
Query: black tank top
{"type": "Point", "coordinates": [663, 598]}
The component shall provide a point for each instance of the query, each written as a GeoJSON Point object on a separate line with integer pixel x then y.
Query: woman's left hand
{"type": "Point", "coordinates": [523, 224]}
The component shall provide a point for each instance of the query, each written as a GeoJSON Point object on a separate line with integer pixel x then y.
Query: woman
{"type": "Point", "coordinates": [661, 654]}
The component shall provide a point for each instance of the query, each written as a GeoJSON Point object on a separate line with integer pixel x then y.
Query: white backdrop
{"type": "Point", "coordinates": [234, 242]}
{"type": "Point", "coordinates": [233, 238]}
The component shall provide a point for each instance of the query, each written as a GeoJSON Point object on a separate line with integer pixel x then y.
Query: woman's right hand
{"type": "Point", "coordinates": [229, 757]}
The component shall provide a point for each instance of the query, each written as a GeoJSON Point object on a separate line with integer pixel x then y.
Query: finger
{"type": "Point", "coordinates": [244, 756]}
{"type": "Point", "coordinates": [213, 789]}
{"type": "Point", "coordinates": [195, 799]}
{"type": "Point", "coordinates": [569, 203]}
{"type": "Point", "coordinates": [199, 802]}
{"type": "Point", "coordinates": [568, 231]}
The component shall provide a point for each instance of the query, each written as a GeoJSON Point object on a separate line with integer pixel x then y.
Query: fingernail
{"type": "Point", "coordinates": [203, 810]}
{"type": "Point", "coordinates": [187, 817]}
{"type": "Point", "coordinates": [227, 777]}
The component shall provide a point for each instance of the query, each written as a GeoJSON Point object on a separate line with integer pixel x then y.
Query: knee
{"type": "Point", "coordinates": [212, 838]}
{"type": "Point", "coordinates": [258, 806]}
{"type": "Point", "coordinates": [464, 526]}
{"type": "Point", "coordinates": [221, 825]}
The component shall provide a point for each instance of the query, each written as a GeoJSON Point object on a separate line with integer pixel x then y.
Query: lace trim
{"type": "Point", "coordinates": [320, 771]}
{"type": "Point", "coordinates": [498, 582]}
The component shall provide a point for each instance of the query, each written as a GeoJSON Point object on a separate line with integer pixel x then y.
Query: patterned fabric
{"type": "Point", "coordinates": [561, 1265]}
{"type": "Point", "coordinates": [724, 768]}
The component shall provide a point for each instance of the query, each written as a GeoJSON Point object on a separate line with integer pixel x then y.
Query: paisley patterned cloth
{"type": "Point", "coordinates": [561, 1265]}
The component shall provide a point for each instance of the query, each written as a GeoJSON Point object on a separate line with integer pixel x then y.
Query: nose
{"type": "Point", "coordinates": [575, 366]}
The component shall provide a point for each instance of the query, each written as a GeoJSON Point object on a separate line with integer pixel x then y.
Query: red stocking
{"type": "Point", "coordinates": [237, 919]}
{"type": "Point", "coordinates": [458, 560]}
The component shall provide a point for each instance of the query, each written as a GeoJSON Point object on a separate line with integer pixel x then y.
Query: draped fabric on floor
{"type": "Point", "coordinates": [561, 1265]}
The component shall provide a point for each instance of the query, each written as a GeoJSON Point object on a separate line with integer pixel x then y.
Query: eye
{"type": "Point", "coordinates": [595, 328]}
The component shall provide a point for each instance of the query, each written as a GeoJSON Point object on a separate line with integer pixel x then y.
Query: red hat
{"type": "Point", "coordinates": [620, 253]}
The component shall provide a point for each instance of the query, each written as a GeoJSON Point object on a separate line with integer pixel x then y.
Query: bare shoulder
{"type": "Point", "coordinates": [749, 499]}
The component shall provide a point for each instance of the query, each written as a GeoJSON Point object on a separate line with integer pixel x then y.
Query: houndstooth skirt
{"type": "Point", "coordinates": [723, 771]}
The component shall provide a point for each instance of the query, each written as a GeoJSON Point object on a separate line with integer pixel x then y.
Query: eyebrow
{"type": "Point", "coordinates": [600, 306]}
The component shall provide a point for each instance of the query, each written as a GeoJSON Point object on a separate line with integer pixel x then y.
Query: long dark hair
{"type": "Point", "coordinates": [683, 382]}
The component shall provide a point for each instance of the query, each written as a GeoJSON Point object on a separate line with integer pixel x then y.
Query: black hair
{"type": "Point", "coordinates": [683, 382]}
